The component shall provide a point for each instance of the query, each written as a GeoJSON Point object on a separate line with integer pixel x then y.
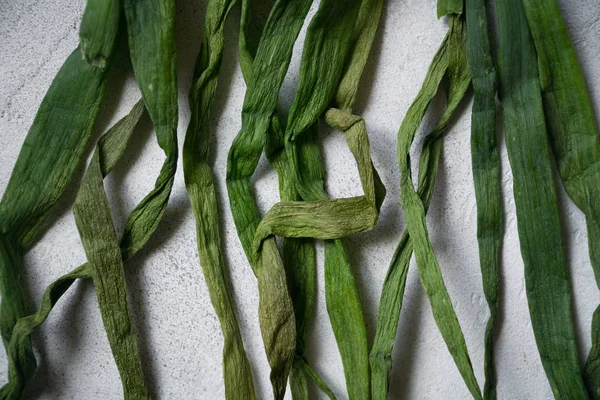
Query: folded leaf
{"type": "Point", "coordinates": [98, 30]}
{"type": "Point", "coordinates": [276, 315]}
{"type": "Point", "coordinates": [451, 61]}
{"type": "Point", "coordinates": [50, 155]}
{"type": "Point", "coordinates": [201, 191]}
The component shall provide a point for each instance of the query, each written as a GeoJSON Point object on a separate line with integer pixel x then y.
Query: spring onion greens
{"type": "Point", "coordinates": [547, 116]}
{"type": "Point", "coordinates": [318, 217]}
{"type": "Point", "coordinates": [546, 278]}
{"type": "Point", "coordinates": [48, 159]}
{"type": "Point", "coordinates": [202, 194]}
{"type": "Point", "coordinates": [91, 209]}
{"type": "Point", "coordinates": [573, 136]}
{"type": "Point", "coordinates": [299, 255]}
{"type": "Point", "coordinates": [485, 162]}
{"type": "Point", "coordinates": [450, 61]}
{"type": "Point", "coordinates": [273, 55]}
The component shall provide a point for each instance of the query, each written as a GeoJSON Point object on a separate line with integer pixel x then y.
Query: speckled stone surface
{"type": "Point", "coordinates": [178, 332]}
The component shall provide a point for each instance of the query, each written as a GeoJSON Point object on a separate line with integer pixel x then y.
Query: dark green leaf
{"type": "Point", "coordinates": [202, 194]}
{"type": "Point", "coordinates": [546, 277]}
{"type": "Point", "coordinates": [573, 135]}
{"type": "Point", "coordinates": [451, 61]}
{"type": "Point", "coordinates": [98, 31]}
{"type": "Point", "coordinates": [486, 171]}
{"type": "Point", "coordinates": [50, 154]}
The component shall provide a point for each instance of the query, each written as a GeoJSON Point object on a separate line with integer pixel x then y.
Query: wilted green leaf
{"type": "Point", "coordinates": [546, 277]}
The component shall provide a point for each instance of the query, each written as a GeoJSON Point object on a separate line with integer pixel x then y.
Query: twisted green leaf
{"type": "Point", "coordinates": [202, 194]}
{"type": "Point", "coordinates": [111, 147]}
{"type": "Point", "coordinates": [317, 216]}
{"type": "Point", "coordinates": [162, 104]}
{"type": "Point", "coordinates": [392, 294]}
{"type": "Point", "coordinates": [151, 30]}
{"type": "Point", "coordinates": [451, 60]}
{"type": "Point", "coordinates": [573, 135]}
{"type": "Point", "coordinates": [98, 30]}
{"type": "Point", "coordinates": [449, 63]}
{"type": "Point", "coordinates": [485, 162]}
{"type": "Point", "coordinates": [299, 256]}
{"type": "Point", "coordinates": [276, 315]}
{"type": "Point", "coordinates": [101, 245]}
{"type": "Point", "coordinates": [50, 154]}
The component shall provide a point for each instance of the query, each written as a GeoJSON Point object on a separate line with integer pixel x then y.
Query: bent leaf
{"type": "Point", "coordinates": [203, 197]}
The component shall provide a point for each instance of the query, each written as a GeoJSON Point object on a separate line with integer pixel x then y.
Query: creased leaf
{"type": "Point", "coordinates": [98, 31]}
{"type": "Point", "coordinates": [151, 29]}
{"type": "Point", "coordinates": [449, 7]}
{"type": "Point", "coordinates": [546, 277]}
{"type": "Point", "coordinates": [317, 216]}
{"type": "Point", "coordinates": [485, 162]}
{"type": "Point", "coordinates": [202, 194]}
{"type": "Point", "coordinates": [101, 245]}
{"type": "Point", "coordinates": [276, 315]}
{"type": "Point", "coordinates": [50, 154]}
{"type": "Point", "coordinates": [450, 60]}
{"type": "Point", "coordinates": [299, 256]}
{"type": "Point", "coordinates": [449, 63]}
{"type": "Point", "coordinates": [573, 135]}
{"type": "Point", "coordinates": [110, 149]}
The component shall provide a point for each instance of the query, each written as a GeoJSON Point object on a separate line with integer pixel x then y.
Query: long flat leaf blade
{"type": "Point", "coordinates": [538, 222]}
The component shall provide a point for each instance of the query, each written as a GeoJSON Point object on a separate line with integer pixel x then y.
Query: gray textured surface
{"type": "Point", "coordinates": [178, 331]}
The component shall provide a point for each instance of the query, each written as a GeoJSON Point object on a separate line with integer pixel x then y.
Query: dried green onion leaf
{"type": "Point", "coordinates": [546, 277]}
{"type": "Point", "coordinates": [485, 162]}
{"type": "Point", "coordinates": [99, 239]}
{"type": "Point", "coordinates": [98, 30]}
{"type": "Point", "coordinates": [450, 60]}
{"type": "Point", "coordinates": [272, 59]}
{"type": "Point", "coordinates": [573, 135]}
{"type": "Point", "coordinates": [202, 194]}
{"type": "Point", "coordinates": [110, 149]}
{"type": "Point", "coordinates": [50, 154]}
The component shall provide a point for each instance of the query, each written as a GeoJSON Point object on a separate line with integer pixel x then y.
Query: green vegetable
{"type": "Point", "coordinates": [98, 30]}
{"type": "Point", "coordinates": [78, 89]}
{"type": "Point", "coordinates": [18, 349]}
{"type": "Point", "coordinates": [50, 154]}
{"type": "Point", "coordinates": [299, 257]}
{"type": "Point", "coordinates": [272, 59]}
{"type": "Point", "coordinates": [392, 293]}
{"type": "Point", "coordinates": [110, 149]}
{"type": "Point", "coordinates": [202, 194]}
{"type": "Point", "coordinates": [449, 7]}
{"type": "Point", "coordinates": [449, 61]}
{"type": "Point", "coordinates": [546, 277]}
{"type": "Point", "coordinates": [541, 92]}
{"type": "Point", "coordinates": [309, 219]}
{"type": "Point", "coordinates": [486, 171]}
{"type": "Point", "coordinates": [95, 225]}
{"type": "Point", "coordinates": [151, 30]}
{"type": "Point", "coordinates": [573, 135]}
{"type": "Point", "coordinates": [331, 219]}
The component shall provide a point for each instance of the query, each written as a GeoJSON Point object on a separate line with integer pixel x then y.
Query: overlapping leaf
{"type": "Point", "coordinates": [546, 277]}
{"type": "Point", "coordinates": [202, 194]}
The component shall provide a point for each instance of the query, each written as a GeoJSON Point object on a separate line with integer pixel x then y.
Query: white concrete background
{"type": "Point", "coordinates": [178, 332]}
